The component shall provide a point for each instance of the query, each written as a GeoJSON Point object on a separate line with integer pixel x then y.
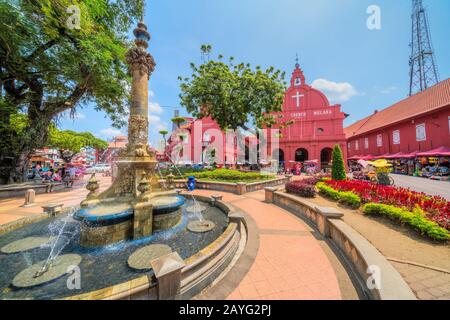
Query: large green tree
{"type": "Point", "coordinates": [233, 94]}
{"type": "Point", "coordinates": [69, 142]}
{"type": "Point", "coordinates": [50, 63]}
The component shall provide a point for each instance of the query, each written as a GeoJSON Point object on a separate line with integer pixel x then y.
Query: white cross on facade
{"type": "Point", "coordinates": [297, 97]}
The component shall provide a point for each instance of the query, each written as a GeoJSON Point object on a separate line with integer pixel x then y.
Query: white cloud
{"type": "Point", "coordinates": [151, 93]}
{"type": "Point", "coordinates": [153, 119]}
{"type": "Point", "coordinates": [156, 123]}
{"type": "Point", "coordinates": [388, 90]}
{"type": "Point", "coordinates": [154, 107]}
{"type": "Point", "coordinates": [335, 91]}
{"type": "Point", "coordinates": [110, 132]}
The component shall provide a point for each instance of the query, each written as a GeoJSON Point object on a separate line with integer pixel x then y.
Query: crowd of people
{"type": "Point", "coordinates": [49, 175]}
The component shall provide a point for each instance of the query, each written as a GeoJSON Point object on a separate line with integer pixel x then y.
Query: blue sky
{"type": "Point", "coordinates": [360, 68]}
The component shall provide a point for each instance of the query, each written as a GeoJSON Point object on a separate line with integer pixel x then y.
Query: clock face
{"type": "Point", "coordinates": [297, 81]}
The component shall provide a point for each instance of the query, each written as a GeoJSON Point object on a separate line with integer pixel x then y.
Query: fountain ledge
{"type": "Point", "coordinates": [236, 188]}
{"type": "Point", "coordinates": [200, 269]}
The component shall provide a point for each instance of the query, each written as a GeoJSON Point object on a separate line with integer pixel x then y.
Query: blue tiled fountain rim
{"type": "Point", "coordinates": [84, 215]}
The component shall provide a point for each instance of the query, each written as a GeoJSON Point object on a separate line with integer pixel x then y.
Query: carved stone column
{"type": "Point", "coordinates": [141, 65]}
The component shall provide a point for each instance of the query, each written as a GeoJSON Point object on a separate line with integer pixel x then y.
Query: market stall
{"type": "Point", "coordinates": [434, 164]}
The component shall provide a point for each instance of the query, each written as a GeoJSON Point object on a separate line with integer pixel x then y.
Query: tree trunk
{"type": "Point", "coordinates": [14, 166]}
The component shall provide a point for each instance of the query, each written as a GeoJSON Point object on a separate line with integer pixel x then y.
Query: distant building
{"type": "Point", "coordinates": [419, 123]}
{"type": "Point", "coordinates": [114, 146]}
{"type": "Point", "coordinates": [46, 157]}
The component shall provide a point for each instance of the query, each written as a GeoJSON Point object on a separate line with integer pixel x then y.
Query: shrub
{"type": "Point", "coordinates": [338, 166]}
{"type": "Point", "coordinates": [228, 175]}
{"type": "Point", "coordinates": [301, 189]}
{"type": "Point", "coordinates": [413, 219]}
{"type": "Point", "coordinates": [328, 191]}
{"type": "Point", "coordinates": [350, 199]}
{"type": "Point", "coordinates": [311, 181]}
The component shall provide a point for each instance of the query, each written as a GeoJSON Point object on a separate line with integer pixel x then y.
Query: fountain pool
{"type": "Point", "coordinates": [100, 267]}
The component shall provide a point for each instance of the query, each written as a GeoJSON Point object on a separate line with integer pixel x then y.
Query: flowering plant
{"type": "Point", "coordinates": [436, 208]}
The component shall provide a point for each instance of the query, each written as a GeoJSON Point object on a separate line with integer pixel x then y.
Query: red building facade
{"type": "Point", "coordinates": [317, 128]}
{"type": "Point", "coordinates": [417, 124]}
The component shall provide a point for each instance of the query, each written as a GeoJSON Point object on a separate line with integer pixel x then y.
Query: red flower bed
{"type": "Point", "coordinates": [437, 208]}
{"type": "Point", "coordinates": [302, 189]}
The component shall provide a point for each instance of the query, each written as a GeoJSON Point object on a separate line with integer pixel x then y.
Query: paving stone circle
{"type": "Point", "coordinates": [59, 267]}
{"type": "Point", "coordinates": [198, 226]}
{"type": "Point", "coordinates": [141, 258]}
{"type": "Point", "coordinates": [196, 208]}
{"type": "Point", "coordinates": [25, 244]}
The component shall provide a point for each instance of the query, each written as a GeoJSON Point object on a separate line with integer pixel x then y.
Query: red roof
{"type": "Point", "coordinates": [432, 99]}
{"type": "Point", "coordinates": [118, 142]}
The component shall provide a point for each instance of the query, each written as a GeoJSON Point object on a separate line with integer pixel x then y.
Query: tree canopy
{"type": "Point", "coordinates": [178, 121]}
{"type": "Point", "coordinates": [69, 142]}
{"type": "Point", "coordinates": [50, 64]}
{"type": "Point", "coordinates": [232, 94]}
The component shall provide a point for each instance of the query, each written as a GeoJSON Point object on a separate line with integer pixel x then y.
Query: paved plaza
{"type": "Point", "coordinates": [290, 259]}
{"type": "Point", "coordinates": [12, 210]}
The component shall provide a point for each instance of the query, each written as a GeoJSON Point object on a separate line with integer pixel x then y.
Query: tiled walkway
{"type": "Point", "coordinates": [11, 210]}
{"type": "Point", "coordinates": [290, 263]}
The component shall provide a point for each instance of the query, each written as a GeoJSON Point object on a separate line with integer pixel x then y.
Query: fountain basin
{"type": "Point", "coordinates": [111, 222]}
{"type": "Point", "coordinates": [105, 270]}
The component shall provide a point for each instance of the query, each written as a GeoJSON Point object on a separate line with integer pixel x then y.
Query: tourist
{"type": "Point", "coordinates": [72, 172]}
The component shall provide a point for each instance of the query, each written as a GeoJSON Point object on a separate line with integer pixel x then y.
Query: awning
{"type": "Point", "coordinates": [439, 152]}
{"type": "Point", "coordinates": [39, 159]}
{"type": "Point", "coordinates": [355, 158]}
{"type": "Point", "coordinates": [384, 156]}
{"type": "Point", "coordinates": [369, 157]}
{"type": "Point", "coordinates": [409, 155]}
{"type": "Point", "coordinates": [397, 155]}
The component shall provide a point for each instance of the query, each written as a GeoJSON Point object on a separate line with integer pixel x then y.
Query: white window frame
{"type": "Point", "coordinates": [379, 140]}
{"type": "Point", "coordinates": [357, 145]}
{"type": "Point", "coordinates": [366, 143]}
{"type": "Point", "coordinates": [422, 125]}
{"type": "Point", "coordinates": [394, 134]}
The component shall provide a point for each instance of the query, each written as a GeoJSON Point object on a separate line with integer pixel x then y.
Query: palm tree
{"type": "Point", "coordinates": [164, 133]}
{"type": "Point", "coordinates": [178, 121]}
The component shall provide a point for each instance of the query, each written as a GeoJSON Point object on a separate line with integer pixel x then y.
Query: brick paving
{"type": "Point", "coordinates": [290, 263]}
{"type": "Point", "coordinates": [403, 244]}
{"type": "Point", "coordinates": [427, 284]}
{"type": "Point", "coordinates": [11, 210]}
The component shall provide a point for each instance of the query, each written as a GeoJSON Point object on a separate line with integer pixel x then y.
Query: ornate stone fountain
{"type": "Point", "coordinates": [135, 205]}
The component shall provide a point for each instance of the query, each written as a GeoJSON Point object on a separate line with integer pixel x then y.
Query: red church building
{"type": "Point", "coordinates": [317, 128]}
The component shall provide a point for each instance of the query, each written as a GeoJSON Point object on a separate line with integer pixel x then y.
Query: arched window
{"type": "Point", "coordinates": [301, 155]}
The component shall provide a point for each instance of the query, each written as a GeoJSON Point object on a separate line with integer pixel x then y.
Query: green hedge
{"type": "Point", "coordinates": [229, 175]}
{"type": "Point", "coordinates": [414, 219]}
{"type": "Point", "coordinates": [347, 198]}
